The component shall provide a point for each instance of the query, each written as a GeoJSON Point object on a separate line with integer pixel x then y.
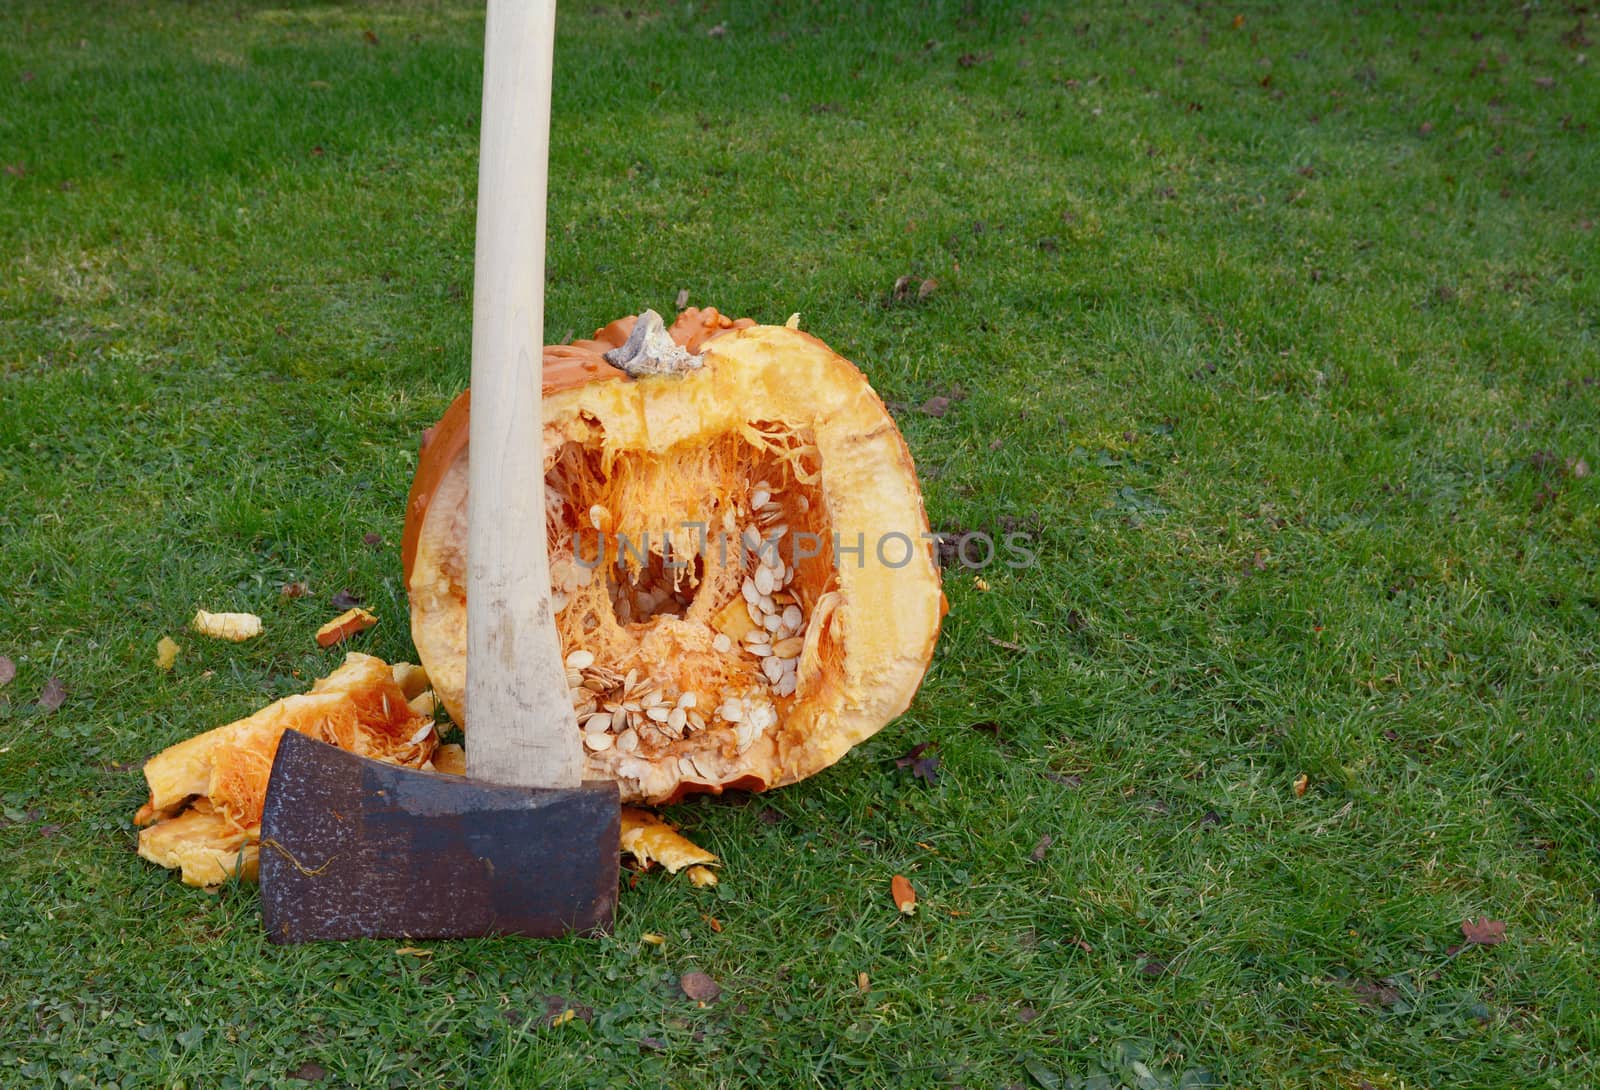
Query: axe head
{"type": "Point", "coordinates": [354, 848]}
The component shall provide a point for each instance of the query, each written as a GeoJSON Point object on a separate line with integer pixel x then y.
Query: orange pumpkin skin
{"type": "Point", "coordinates": [773, 407]}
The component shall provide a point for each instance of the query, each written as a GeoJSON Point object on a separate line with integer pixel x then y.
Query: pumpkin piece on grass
{"type": "Point", "coordinates": [650, 840]}
{"type": "Point", "coordinates": [206, 793]}
{"type": "Point", "coordinates": [345, 625]}
{"type": "Point", "coordinates": [742, 576]}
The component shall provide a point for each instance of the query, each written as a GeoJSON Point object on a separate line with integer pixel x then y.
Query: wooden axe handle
{"type": "Point", "coordinates": [521, 729]}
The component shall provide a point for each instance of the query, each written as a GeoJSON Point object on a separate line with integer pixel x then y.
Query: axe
{"type": "Point", "coordinates": [353, 848]}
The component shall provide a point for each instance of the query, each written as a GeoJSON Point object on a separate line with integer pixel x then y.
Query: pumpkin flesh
{"type": "Point", "coordinates": [691, 668]}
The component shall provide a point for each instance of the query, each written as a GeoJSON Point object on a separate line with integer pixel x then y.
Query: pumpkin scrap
{"type": "Point", "coordinates": [227, 626]}
{"type": "Point", "coordinates": [651, 840]}
{"type": "Point", "coordinates": [167, 653]}
{"type": "Point", "coordinates": [742, 577]}
{"type": "Point", "coordinates": [345, 625]}
{"type": "Point", "coordinates": [905, 897]}
{"type": "Point", "coordinates": [206, 794]}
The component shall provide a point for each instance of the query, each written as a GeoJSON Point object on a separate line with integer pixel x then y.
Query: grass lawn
{"type": "Point", "coordinates": [1276, 325]}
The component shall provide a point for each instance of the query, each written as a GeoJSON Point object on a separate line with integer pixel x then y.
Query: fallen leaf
{"type": "Point", "coordinates": [8, 670]}
{"type": "Point", "coordinates": [1042, 1074]}
{"type": "Point", "coordinates": [862, 983]}
{"type": "Point", "coordinates": [16, 170]}
{"type": "Point", "coordinates": [1026, 1015]}
{"type": "Point", "coordinates": [345, 625]}
{"type": "Point", "coordinates": [980, 582]}
{"type": "Point", "coordinates": [683, 298]}
{"type": "Point", "coordinates": [345, 599]}
{"type": "Point", "coordinates": [166, 652]}
{"type": "Point", "coordinates": [372, 540]}
{"type": "Point", "coordinates": [1371, 993]}
{"type": "Point", "coordinates": [1152, 967]}
{"type": "Point", "coordinates": [987, 726]}
{"type": "Point", "coordinates": [926, 288]}
{"type": "Point", "coordinates": [653, 939]}
{"type": "Point", "coordinates": [564, 1017]}
{"type": "Point", "coordinates": [227, 626]}
{"type": "Point", "coordinates": [905, 898]}
{"type": "Point", "coordinates": [370, 36]}
{"type": "Point", "coordinates": [1484, 931]}
{"type": "Point", "coordinates": [1040, 849]}
{"type": "Point", "coordinates": [717, 31]}
{"type": "Point", "coordinates": [936, 405]}
{"type": "Point", "coordinates": [309, 1072]}
{"type": "Point", "coordinates": [1067, 779]}
{"type": "Point", "coordinates": [1007, 644]}
{"type": "Point", "coordinates": [701, 877]}
{"type": "Point", "coordinates": [53, 695]}
{"type": "Point", "coordinates": [1578, 467]}
{"type": "Point", "coordinates": [1301, 782]}
{"type": "Point", "coordinates": [699, 987]}
{"type": "Point", "coordinates": [414, 951]}
{"type": "Point", "coordinates": [292, 590]}
{"type": "Point", "coordinates": [713, 923]}
{"type": "Point", "coordinates": [652, 1044]}
{"type": "Point", "coordinates": [902, 286]}
{"type": "Point", "coordinates": [923, 768]}
{"type": "Point", "coordinates": [1238, 22]}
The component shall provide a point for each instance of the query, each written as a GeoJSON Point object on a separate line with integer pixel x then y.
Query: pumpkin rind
{"type": "Point", "coordinates": [875, 613]}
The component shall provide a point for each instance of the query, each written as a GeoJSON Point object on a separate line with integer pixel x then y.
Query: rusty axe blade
{"type": "Point", "coordinates": [354, 848]}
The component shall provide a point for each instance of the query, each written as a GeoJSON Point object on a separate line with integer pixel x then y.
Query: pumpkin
{"type": "Point", "coordinates": [206, 792]}
{"type": "Point", "coordinates": [742, 577]}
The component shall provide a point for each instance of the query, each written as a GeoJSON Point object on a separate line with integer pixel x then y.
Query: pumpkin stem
{"type": "Point", "coordinates": [650, 350]}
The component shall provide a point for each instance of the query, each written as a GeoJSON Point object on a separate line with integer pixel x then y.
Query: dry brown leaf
{"type": "Point", "coordinates": [1301, 782]}
{"type": "Point", "coordinates": [699, 987]}
{"type": "Point", "coordinates": [1484, 931]}
{"type": "Point", "coordinates": [862, 983]}
{"type": "Point", "coordinates": [653, 939]}
{"type": "Point", "coordinates": [8, 670]}
{"type": "Point", "coordinates": [227, 626]}
{"type": "Point", "coordinates": [649, 839]}
{"type": "Point", "coordinates": [345, 625]}
{"type": "Point", "coordinates": [53, 695]}
{"type": "Point", "coordinates": [905, 898]}
{"type": "Point", "coordinates": [414, 951]}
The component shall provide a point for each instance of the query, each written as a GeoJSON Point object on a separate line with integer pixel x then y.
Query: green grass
{"type": "Point", "coordinates": [1279, 337]}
